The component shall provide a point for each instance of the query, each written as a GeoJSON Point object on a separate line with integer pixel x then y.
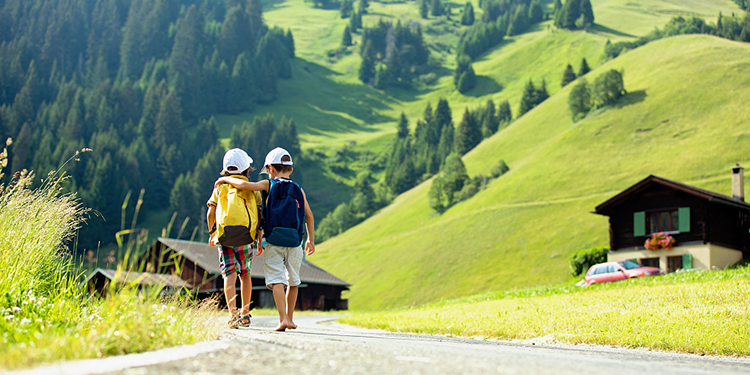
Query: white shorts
{"type": "Point", "coordinates": [282, 265]}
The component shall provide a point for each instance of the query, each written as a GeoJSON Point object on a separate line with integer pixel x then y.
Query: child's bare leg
{"type": "Point", "coordinates": [246, 283]}
{"type": "Point", "coordinates": [230, 293]}
{"type": "Point", "coordinates": [280, 300]}
{"type": "Point", "coordinates": [291, 302]}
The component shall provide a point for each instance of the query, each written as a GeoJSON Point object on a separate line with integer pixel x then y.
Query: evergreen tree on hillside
{"type": "Point", "coordinates": [536, 13]}
{"type": "Point", "coordinates": [556, 7]}
{"type": "Point", "coordinates": [363, 5]}
{"type": "Point", "coordinates": [447, 141]}
{"type": "Point", "coordinates": [542, 94]}
{"type": "Point", "coordinates": [568, 15]}
{"type": "Point", "coordinates": [236, 34]}
{"type": "Point", "coordinates": [346, 8]}
{"type": "Point", "coordinates": [367, 68]}
{"type": "Point", "coordinates": [520, 22]}
{"type": "Point", "coordinates": [528, 99]}
{"type": "Point", "coordinates": [467, 17]}
{"type": "Point", "coordinates": [347, 38]}
{"type": "Point", "coordinates": [584, 68]}
{"type": "Point", "coordinates": [468, 134]}
{"type": "Point", "coordinates": [504, 114]}
{"type": "Point", "coordinates": [424, 9]}
{"type": "Point", "coordinates": [402, 127]}
{"type": "Point", "coordinates": [436, 7]}
{"type": "Point", "coordinates": [464, 77]}
{"type": "Point", "coordinates": [490, 121]}
{"type": "Point", "coordinates": [355, 21]}
{"type": "Point", "coordinates": [587, 13]}
{"type": "Point", "coordinates": [568, 76]}
{"type": "Point", "coordinates": [443, 114]}
{"type": "Point", "coordinates": [454, 175]}
{"type": "Point", "coordinates": [184, 66]}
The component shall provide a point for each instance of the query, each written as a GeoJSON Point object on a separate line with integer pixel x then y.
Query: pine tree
{"type": "Point", "coordinates": [168, 125]}
{"type": "Point", "coordinates": [443, 115]}
{"type": "Point", "coordinates": [467, 18]}
{"type": "Point", "coordinates": [468, 134]}
{"type": "Point", "coordinates": [363, 5]}
{"type": "Point", "coordinates": [557, 6]}
{"type": "Point", "coordinates": [346, 8]}
{"type": "Point", "coordinates": [289, 43]}
{"type": "Point", "coordinates": [236, 34]}
{"type": "Point", "coordinates": [347, 38]}
{"type": "Point", "coordinates": [584, 68]}
{"type": "Point", "coordinates": [436, 7]}
{"type": "Point", "coordinates": [587, 12]}
{"type": "Point", "coordinates": [504, 114]}
{"type": "Point", "coordinates": [568, 76]}
{"type": "Point", "coordinates": [542, 94]}
{"type": "Point", "coordinates": [490, 120]}
{"type": "Point", "coordinates": [447, 141]}
{"type": "Point", "coordinates": [536, 13]}
{"type": "Point", "coordinates": [424, 9]}
{"type": "Point", "coordinates": [402, 127]}
{"type": "Point", "coordinates": [528, 99]}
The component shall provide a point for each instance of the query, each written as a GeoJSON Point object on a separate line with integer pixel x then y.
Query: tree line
{"type": "Point", "coordinates": [734, 28]}
{"type": "Point", "coordinates": [136, 81]}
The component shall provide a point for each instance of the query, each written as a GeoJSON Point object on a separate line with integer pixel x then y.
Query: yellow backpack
{"type": "Point", "coordinates": [236, 216]}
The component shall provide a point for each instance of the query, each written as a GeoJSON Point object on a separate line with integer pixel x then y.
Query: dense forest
{"type": "Point", "coordinates": [136, 81]}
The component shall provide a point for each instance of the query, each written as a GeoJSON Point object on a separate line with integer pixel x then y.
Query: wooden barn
{"type": "Point", "coordinates": [99, 281]}
{"type": "Point", "coordinates": [711, 230]}
{"type": "Point", "coordinates": [199, 265]}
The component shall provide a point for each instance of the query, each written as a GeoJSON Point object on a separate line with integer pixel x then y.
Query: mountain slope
{"type": "Point", "coordinates": [683, 119]}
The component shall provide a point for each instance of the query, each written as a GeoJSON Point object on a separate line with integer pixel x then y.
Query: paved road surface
{"type": "Point", "coordinates": [320, 346]}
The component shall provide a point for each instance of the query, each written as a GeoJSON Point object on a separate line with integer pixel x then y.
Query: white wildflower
{"type": "Point", "coordinates": [25, 321]}
{"type": "Point", "coordinates": [16, 309]}
{"type": "Point", "coordinates": [9, 317]}
{"type": "Point", "coordinates": [25, 303]}
{"type": "Point", "coordinates": [117, 333]}
{"type": "Point", "coordinates": [38, 321]}
{"type": "Point", "coordinates": [172, 308]}
{"type": "Point", "coordinates": [32, 299]}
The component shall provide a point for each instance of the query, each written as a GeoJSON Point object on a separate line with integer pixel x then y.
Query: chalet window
{"type": "Point", "coordinates": [649, 222]}
{"type": "Point", "coordinates": [663, 221]}
{"type": "Point", "coordinates": [650, 262]}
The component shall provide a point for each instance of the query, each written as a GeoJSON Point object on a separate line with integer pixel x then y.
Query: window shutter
{"type": "Point", "coordinates": [639, 224]}
{"type": "Point", "coordinates": [687, 261]}
{"type": "Point", "coordinates": [683, 216]}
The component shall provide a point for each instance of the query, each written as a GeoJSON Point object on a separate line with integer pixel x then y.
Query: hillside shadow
{"type": "Point", "coordinates": [485, 85]}
{"type": "Point", "coordinates": [633, 97]}
{"type": "Point", "coordinates": [601, 29]}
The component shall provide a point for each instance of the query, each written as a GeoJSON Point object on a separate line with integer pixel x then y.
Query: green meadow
{"type": "Point", "coordinates": [683, 119]}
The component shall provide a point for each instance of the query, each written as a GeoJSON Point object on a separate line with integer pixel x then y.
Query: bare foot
{"type": "Point", "coordinates": [282, 327]}
{"type": "Point", "coordinates": [291, 325]}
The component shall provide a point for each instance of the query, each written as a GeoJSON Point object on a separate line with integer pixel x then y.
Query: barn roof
{"type": "Point", "coordinates": [207, 258]}
{"type": "Point", "coordinates": [141, 278]}
{"type": "Point", "coordinates": [604, 208]}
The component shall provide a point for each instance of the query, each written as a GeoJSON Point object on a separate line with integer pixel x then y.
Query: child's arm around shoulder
{"type": "Point", "coordinates": [310, 223]}
{"type": "Point", "coordinates": [244, 185]}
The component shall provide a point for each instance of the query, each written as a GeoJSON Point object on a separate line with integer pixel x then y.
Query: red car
{"type": "Point", "coordinates": [616, 271]}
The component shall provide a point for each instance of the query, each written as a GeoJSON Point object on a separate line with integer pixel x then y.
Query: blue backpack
{"type": "Point", "coordinates": [284, 213]}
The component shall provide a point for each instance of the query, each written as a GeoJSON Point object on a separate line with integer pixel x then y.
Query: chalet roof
{"type": "Point", "coordinates": [141, 278]}
{"type": "Point", "coordinates": [604, 208]}
{"type": "Point", "coordinates": [207, 258]}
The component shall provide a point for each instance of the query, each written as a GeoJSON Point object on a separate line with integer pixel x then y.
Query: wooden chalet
{"type": "Point", "coordinates": [99, 281]}
{"type": "Point", "coordinates": [199, 265]}
{"type": "Point", "coordinates": [711, 230]}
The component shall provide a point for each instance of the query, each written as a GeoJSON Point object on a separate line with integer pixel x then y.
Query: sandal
{"type": "Point", "coordinates": [244, 321]}
{"type": "Point", "coordinates": [233, 322]}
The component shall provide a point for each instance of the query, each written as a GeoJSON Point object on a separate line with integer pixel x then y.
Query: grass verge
{"type": "Point", "coordinates": [47, 314]}
{"type": "Point", "coordinates": [702, 312]}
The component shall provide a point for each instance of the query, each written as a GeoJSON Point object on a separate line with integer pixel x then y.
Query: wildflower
{"type": "Point", "coordinates": [38, 321]}
{"type": "Point", "coordinates": [32, 298]}
{"type": "Point", "coordinates": [117, 333]}
{"type": "Point", "coordinates": [78, 159]}
{"type": "Point", "coordinates": [16, 309]}
{"type": "Point", "coordinates": [77, 152]}
{"type": "Point", "coordinates": [9, 142]}
{"type": "Point", "coordinates": [25, 321]}
{"type": "Point", "coordinates": [86, 149]}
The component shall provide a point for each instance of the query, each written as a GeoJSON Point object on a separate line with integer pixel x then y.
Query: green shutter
{"type": "Point", "coordinates": [683, 216]}
{"type": "Point", "coordinates": [687, 261]}
{"type": "Point", "coordinates": [639, 224]}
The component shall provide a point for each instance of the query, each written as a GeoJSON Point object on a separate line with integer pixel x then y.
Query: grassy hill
{"type": "Point", "coordinates": [683, 119]}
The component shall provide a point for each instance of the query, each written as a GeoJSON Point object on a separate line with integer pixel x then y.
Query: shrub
{"type": "Point", "coordinates": [608, 88]}
{"type": "Point", "coordinates": [583, 259]}
{"type": "Point", "coordinates": [500, 169]}
{"type": "Point", "coordinates": [579, 100]}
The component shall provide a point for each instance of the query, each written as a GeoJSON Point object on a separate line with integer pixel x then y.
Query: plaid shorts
{"type": "Point", "coordinates": [231, 258]}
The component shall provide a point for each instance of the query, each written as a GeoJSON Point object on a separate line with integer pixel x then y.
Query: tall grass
{"type": "Point", "coordinates": [47, 313]}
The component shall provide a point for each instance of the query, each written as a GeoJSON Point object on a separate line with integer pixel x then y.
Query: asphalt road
{"type": "Point", "coordinates": [320, 346]}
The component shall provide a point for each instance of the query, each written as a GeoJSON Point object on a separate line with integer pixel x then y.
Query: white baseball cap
{"type": "Point", "coordinates": [275, 156]}
{"type": "Point", "coordinates": [236, 161]}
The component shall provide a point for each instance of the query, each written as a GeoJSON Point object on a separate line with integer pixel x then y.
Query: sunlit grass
{"type": "Point", "coordinates": [46, 312]}
{"type": "Point", "coordinates": [706, 312]}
